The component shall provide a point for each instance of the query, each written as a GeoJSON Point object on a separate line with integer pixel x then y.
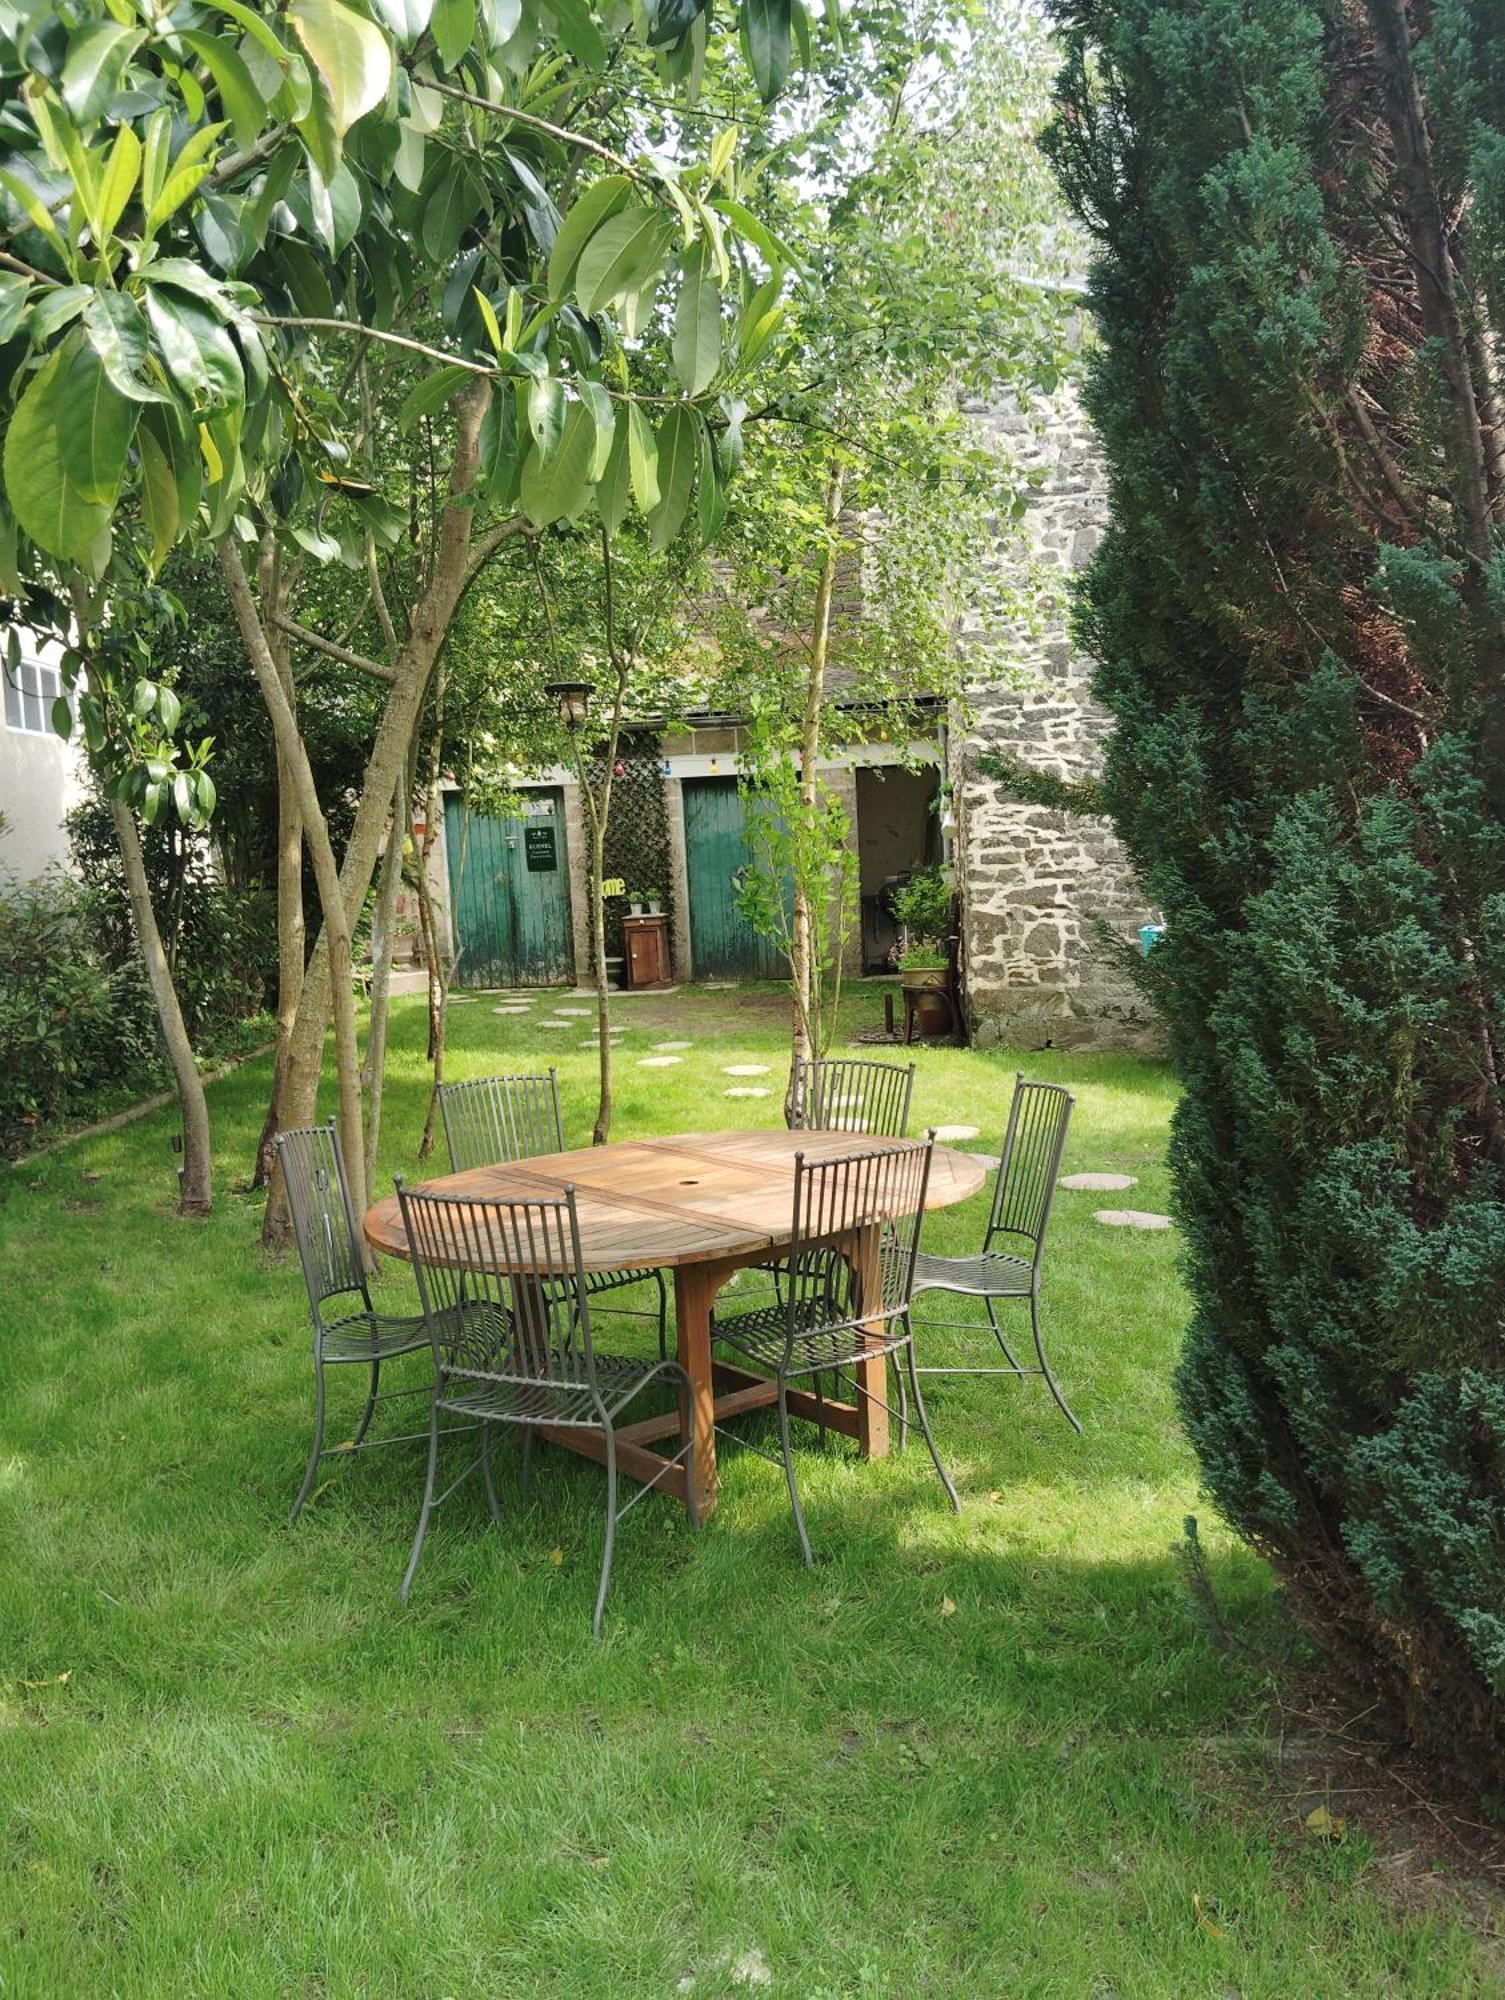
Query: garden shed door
{"type": "Point", "coordinates": [722, 944]}
{"type": "Point", "coordinates": [509, 885]}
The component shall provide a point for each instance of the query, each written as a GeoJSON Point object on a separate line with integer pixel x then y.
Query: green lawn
{"type": "Point", "coordinates": [979, 1755]}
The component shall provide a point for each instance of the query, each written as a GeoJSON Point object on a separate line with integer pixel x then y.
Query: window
{"type": "Point", "coordinates": [30, 691]}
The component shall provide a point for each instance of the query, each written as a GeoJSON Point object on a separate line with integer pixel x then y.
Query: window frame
{"type": "Point", "coordinates": [19, 698]}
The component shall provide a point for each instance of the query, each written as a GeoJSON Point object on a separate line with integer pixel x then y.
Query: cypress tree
{"type": "Point", "coordinates": [1298, 218]}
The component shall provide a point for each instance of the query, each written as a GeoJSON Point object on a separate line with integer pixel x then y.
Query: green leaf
{"type": "Point", "coordinates": [239, 98]}
{"type": "Point", "coordinates": [258, 29]}
{"type": "Point", "coordinates": [697, 322]}
{"type": "Point", "coordinates": [430, 395]}
{"type": "Point", "coordinates": [48, 504]}
{"type": "Point", "coordinates": [407, 19]}
{"type": "Point", "coordinates": [454, 29]}
{"type": "Point", "coordinates": [614, 488]}
{"type": "Point", "coordinates": [625, 255]}
{"type": "Point", "coordinates": [349, 52]}
{"type": "Point", "coordinates": [62, 717]}
{"type": "Point", "coordinates": [586, 214]}
{"type": "Point", "coordinates": [761, 318]}
{"type": "Point", "coordinates": [546, 413]}
{"type": "Point", "coordinates": [642, 453]}
{"type": "Point", "coordinates": [169, 709]}
{"type": "Point", "coordinates": [450, 209]}
{"type": "Point", "coordinates": [14, 290]}
{"type": "Point", "coordinates": [603, 422]}
{"type": "Point", "coordinates": [118, 335]}
{"type": "Point", "coordinates": [177, 441]}
{"type": "Point", "coordinates": [35, 210]}
{"type": "Point", "coordinates": [96, 60]}
{"type": "Point", "coordinates": [159, 495]}
{"type": "Point", "coordinates": [773, 249]}
{"type": "Point", "coordinates": [710, 494]}
{"type": "Point", "coordinates": [556, 488]}
{"type": "Point", "coordinates": [678, 446]}
{"type": "Point", "coordinates": [204, 786]}
{"type": "Point", "coordinates": [765, 27]}
{"type": "Point", "coordinates": [496, 447]}
{"type": "Point", "coordinates": [488, 319]}
{"type": "Point", "coordinates": [119, 181]}
{"type": "Point", "coordinates": [95, 424]}
{"type": "Point", "coordinates": [579, 33]}
{"type": "Point", "coordinates": [197, 353]}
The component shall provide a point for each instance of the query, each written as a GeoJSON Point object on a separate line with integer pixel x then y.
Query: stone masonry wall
{"type": "Point", "coordinates": [1035, 883]}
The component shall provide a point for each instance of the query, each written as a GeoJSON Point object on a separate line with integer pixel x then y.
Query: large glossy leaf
{"type": "Point", "coordinates": [406, 18]}
{"type": "Point", "coordinates": [243, 103]}
{"type": "Point", "coordinates": [603, 422]}
{"type": "Point", "coordinates": [117, 333]}
{"type": "Point", "coordinates": [624, 256]}
{"type": "Point", "coordinates": [96, 60]}
{"type": "Point", "coordinates": [670, 19]}
{"type": "Point", "coordinates": [642, 453]}
{"type": "Point", "coordinates": [13, 295]}
{"type": "Point", "coordinates": [614, 488]}
{"type": "Point", "coordinates": [118, 182]}
{"type": "Point", "coordinates": [95, 422]}
{"type": "Point", "coordinates": [159, 494]}
{"type": "Point", "coordinates": [765, 26]}
{"type": "Point", "coordinates": [579, 32]}
{"type": "Point", "coordinates": [43, 438]}
{"type": "Point", "coordinates": [200, 357]}
{"type": "Point", "coordinates": [545, 414]}
{"type": "Point", "coordinates": [454, 26]}
{"type": "Point", "coordinates": [586, 213]}
{"type": "Point", "coordinates": [697, 321]}
{"type": "Point", "coordinates": [497, 447]}
{"type": "Point", "coordinates": [678, 449]}
{"type": "Point", "coordinates": [556, 488]}
{"type": "Point", "coordinates": [350, 53]}
{"type": "Point", "coordinates": [430, 395]}
{"type": "Point", "coordinates": [451, 206]}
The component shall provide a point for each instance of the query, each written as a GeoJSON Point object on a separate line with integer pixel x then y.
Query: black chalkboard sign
{"type": "Point", "coordinates": [538, 846]}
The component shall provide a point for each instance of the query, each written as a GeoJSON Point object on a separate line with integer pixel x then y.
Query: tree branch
{"type": "Point", "coordinates": [550, 131]}
{"type": "Point", "coordinates": [333, 649]}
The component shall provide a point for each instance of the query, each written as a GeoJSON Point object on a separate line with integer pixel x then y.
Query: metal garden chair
{"type": "Point", "coordinates": [313, 1171]}
{"type": "Point", "coordinates": [853, 1094]}
{"type": "Point", "coordinates": [491, 1119]}
{"type": "Point", "coordinates": [507, 1303]}
{"type": "Point", "coordinates": [1027, 1171]}
{"type": "Point", "coordinates": [825, 1322]}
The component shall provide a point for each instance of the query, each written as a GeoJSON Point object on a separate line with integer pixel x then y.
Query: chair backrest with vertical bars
{"type": "Point", "coordinates": [318, 1196]}
{"type": "Point", "coordinates": [1030, 1161]}
{"type": "Point", "coordinates": [490, 1119]}
{"type": "Point", "coordinates": [502, 1286]}
{"type": "Point", "coordinates": [853, 1095]}
{"type": "Point", "coordinates": [870, 1203]}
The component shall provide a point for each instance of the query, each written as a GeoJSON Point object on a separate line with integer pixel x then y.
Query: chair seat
{"type": "Point", "coordinates": [508, 1398]}
{"type": "Point", "coordinates": [610, 1281]}
{"type": "Point", "coordinates": [763, 1336]}
{"type": "Point", "coordinates": [373, 1336]}
{"type": "Point", "coordinates": [994, 1275]}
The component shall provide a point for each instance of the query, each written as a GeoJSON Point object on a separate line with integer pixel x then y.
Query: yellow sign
{"type": "Point", "coordinates": [615, 887]}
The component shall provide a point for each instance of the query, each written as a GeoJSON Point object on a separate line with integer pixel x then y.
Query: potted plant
{"type": "Point", "coordinates": [922, 909]}
{"type": "Point", "coordinates": [635, 903]}
{"type": "Point", "coordinates": [655, 906]}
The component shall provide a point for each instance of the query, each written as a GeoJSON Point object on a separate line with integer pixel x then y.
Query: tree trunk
{"type": "Point", "coordinates": [428, 630]}
{"type": "Point", "coordinates": [441, 958]}
{"type": "Point", "coordinates": [373, 1072]}
{"type": "Point", "coordinates": [300, 1089]}
{"type": "Point", "coordinates": [292, 940]}
{"type": "Point", "coordinates": [601, 1131]}
{"type": "Point", "coordinates": [196, 1194]}
{"type": "Point", "coordinates": [803, 1035]}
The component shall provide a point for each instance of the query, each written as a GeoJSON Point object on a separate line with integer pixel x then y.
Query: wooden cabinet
{"type": "Point", "coordinates": [645, 940]}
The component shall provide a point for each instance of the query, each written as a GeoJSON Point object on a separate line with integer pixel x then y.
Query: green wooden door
{"type": "Point", "coordinates": [509, 887]}
{"type": "Point", "coordinates": [722, 944]}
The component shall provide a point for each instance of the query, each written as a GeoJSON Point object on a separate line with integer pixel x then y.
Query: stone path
{"type": "Point", "coordinates": [575, 1013]}
{"type": "Point", "coordinates": [947, 1133]}
{"type": "Point", "coordinates": [1131, 1218]}
{"type": "Point", "coordinates": [1099, 1183]}
{"type": "Point", "coordinates": [748, 1090]}
{"type": "Point", "coordinates": [658, 1062]}
{"type": "Point", "coordinates": [744, 1069]}
{"type": "Point", "coordinates": [673, 1045]}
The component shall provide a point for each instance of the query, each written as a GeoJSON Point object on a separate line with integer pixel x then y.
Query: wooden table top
{"type": "Point", "coordinates": [691, 1199]}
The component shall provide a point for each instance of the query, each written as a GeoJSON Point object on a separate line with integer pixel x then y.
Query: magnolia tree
{"type": "Point", "coordinates": [230, 240]}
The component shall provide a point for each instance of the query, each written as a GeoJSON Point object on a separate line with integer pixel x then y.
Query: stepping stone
{"type": "Point", "coordinates": [946, 1133]}
{"type": "Point", "coordinates": [1131, 1218]}
{"type": "Point", "coordinates": [575, 1013]}
{"type": "Point", "coordinates": [987, 1159]}
{"type": "Point", "coordinates": [674, 1045]}
{"type": "Point", "coordinates": [509, 1010]}
{"type": "Point", "coordinates": [1099, 1183]}
{"type": "Point", "coordinates": [658, 1062]}
{"type": "Point", "coordinates": [748, 1090]}
{"type": "Point", "coordinates": [556, 1024]}
{"type": "Point", "coordinates": [744, 1069]}
{"type": "Point", "coordinates": [462, 999]}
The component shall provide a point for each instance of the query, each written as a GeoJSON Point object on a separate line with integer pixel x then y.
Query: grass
{"type": "Point", "coordinates": [972, 1755]}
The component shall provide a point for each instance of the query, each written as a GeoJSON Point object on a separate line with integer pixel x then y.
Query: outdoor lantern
{"type": "Point", "coordinates": [619, 769]}
{"type": "Point", "coordinates": [571, 699]}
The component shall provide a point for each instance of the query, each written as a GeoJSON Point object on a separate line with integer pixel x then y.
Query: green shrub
{"type": "Point", "coordinates": [1298, 614]}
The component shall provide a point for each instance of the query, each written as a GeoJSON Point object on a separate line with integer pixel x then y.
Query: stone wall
{"type": "Point", "coordinates": [1035, 884]}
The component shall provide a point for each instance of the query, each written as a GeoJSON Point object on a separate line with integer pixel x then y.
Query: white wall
{"type": "Point", "coordinates": [41, 778]}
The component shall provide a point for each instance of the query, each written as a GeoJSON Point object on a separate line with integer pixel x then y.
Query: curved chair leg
{"type": "Point", "coordinates": [663, 1317]}
{"type": "Point", "coordinates": [428, 1503]}
{"type": "Point", "coordinates": [611, 1528]}
{"type": "Point", "coordinates": [794, 1491]}
{"type": "Point", "coordinates": [1050, 1380]}
{"type": "Point", "coordinates": [316, 1451]}
{"type": "Point", "coordinates": [370, 1409]}
{"type": "Point", "coordinates": [902, 1398]}
{"type": "Point", "coordinates": [488, 1475]}
{"type": "Point", "coordinates": [527, 1463]}
{"type": "Point", "coordinates": [1008, 1353]}
{"type": "Point", "coordinates": [924, 1422]}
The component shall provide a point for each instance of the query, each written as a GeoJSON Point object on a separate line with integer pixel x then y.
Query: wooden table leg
{"type": "Point", "coordinates": [695, 1289]}
{"type": "Point", "coordinates": [872, 1374]}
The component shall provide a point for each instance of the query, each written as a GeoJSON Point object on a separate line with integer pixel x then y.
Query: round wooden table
{"type": "Point", "coordinates": [704, 1205]}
